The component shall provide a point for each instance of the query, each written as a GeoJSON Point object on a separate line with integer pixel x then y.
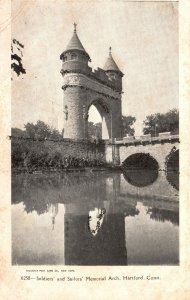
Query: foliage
{"type": "Point", "coordinates": [18, 153]}
{"type": "Point", "coordinates": [94, 130]}
{"type": "Point", "coordinates": [16, 57]}
{"type": "Point", "coordinates": [39, 131]}
{"type": "Point", "coordinates": [37, 155]}
{"type": "Point", "coordinates": [127, 122]}
{"type": "Point", "coordinates": [19, 133]}
{"type": "Point", "coordinates": [55, 134]}
{"type": "Point", "coordinates": [30, 130]}
{"type": "Point", "coordinates": [156, 123]}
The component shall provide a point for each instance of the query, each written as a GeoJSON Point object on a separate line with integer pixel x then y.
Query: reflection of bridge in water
{"type": "Point", "coordinates": [88, 187]}
{"type": "Point", "coordinates": [160, 189]}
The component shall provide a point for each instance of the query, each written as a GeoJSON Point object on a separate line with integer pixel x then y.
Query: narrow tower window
{"type": "Point", "coordinates": [73, 56]}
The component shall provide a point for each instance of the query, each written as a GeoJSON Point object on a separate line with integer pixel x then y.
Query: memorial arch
{"type": "Point", "coordinates": [83, 87]}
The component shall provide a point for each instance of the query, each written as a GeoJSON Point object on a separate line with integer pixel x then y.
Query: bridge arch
{"type": "Point", "coordinates": [172, 168]}
{"type": "Point", "coordinates": [140, 169]}
{"type": "Point", "coordinates": [172, 160]}
{"type": "Point", "coordinates": [140, 160]}
{"type": "Point", "coordinates": [160, 151]}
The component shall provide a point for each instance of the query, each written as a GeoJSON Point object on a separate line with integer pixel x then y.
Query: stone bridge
{"type": "Point", "coordinates": [159, 148]}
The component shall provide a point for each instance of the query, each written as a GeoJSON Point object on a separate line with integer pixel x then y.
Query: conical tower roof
{"type": "Point", "coordinates": [110, 64]}
{"type": "Point", "coordinates": [75, 43]}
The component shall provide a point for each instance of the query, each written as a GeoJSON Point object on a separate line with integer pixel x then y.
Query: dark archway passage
{"type": "Point", "coordinates": [173, 161]}
{"type": "Point", "coordinates": [172, 169]}
{"type": "Point", "coordinates": [140, 161]}
{"type": "Point", "coordinates": [140, 169]}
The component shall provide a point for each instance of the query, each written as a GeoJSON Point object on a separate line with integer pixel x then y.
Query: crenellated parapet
{"type": "Point", "coordinates": [103, 77]}
{"type": "Point", "coordinates": [99, 75]}
{"type": "Point", "coordinates": [84, 81]}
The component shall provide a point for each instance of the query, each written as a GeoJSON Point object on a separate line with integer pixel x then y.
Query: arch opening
{"type": "Point", "coordinates": [173, 161]}
{"type": "Point", "coordinates": [99, 126]}
{"type": "Point", "coordinates": [94, 124]}
{"type": "Point", "coordinates": [140, 169]}
{"type": "Point", "coordinates": [172, 168]}
{"type": "Point", "coordinates": [140, 161]}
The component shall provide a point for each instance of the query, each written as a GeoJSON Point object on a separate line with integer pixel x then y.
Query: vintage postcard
{"type": "Point", "coordinates": [95, 149]}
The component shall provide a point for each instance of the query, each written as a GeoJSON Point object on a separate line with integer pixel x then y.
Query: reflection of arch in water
{"type": "Point", "coordinates": [84, 248]}
{"type": "Point", "coordinates": [172, 168]}
{"type": "Point", "coordinates": [140, 178]}
{"type": "Point", "coordinates": [95, 220]}
{"type": "Point", "coordinates": [140, 161]}
{"type": "Point", "coordinates": [159, 189]}
{"type": "Point", "coordinates": [173, 178]}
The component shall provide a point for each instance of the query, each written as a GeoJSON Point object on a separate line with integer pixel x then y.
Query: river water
{"type": "Point", "coordinates": [95, 218]}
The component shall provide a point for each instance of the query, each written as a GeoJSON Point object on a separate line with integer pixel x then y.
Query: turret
{"type": "Point", "coordinates": [75, 58]}
{"type": "Point", "coordinates": [112, 70]}
{"type": "Point", "coordinates": [83, 87]}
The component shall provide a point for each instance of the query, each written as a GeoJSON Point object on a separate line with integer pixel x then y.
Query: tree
{"type": "Point", "coordinates": [94, 130]}
{"type": "Point", "coordinates": [17, 132]}
{"type": "Point", "coordinates": [16, 57]}
{"type": "Point", "coordinates": [41, 130]}
{"type": "Point", "coordinates": [30, 130]}
{"type": "Point", "coordinates": [127, 122]}
{"type": "Point", "coordinates": [55, 134]}
{"type": "Point", "coordinates": [156, 123]}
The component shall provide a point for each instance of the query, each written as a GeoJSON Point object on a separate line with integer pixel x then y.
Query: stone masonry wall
{"type": "Point", "coordinates": [74, 125]}
{"type": "Point", "coordinates": [159, 151]}
{"type": "Point", "coordinates": [24, 150]}
{"type": "Point", "coordinates": [80, 92]}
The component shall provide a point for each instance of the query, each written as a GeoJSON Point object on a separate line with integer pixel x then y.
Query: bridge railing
{"type": "Point", "coordinates": [163, 136]}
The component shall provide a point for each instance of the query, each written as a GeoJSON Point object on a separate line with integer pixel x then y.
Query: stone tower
{"type": "Point", "coordinates": [83, 87]}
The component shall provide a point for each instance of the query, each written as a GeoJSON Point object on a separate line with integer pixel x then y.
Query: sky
{"type": "Point", "coordinates": [144, 41]}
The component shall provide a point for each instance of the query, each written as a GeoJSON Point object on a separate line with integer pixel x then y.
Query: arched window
{"type": "Point", "coordinates": [112, 76]}
{"type": "Point", "coordinates": [73, 56]}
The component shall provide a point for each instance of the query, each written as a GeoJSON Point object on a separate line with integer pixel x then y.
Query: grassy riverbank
{"type": "Point", "coordinates": [60, 156]}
